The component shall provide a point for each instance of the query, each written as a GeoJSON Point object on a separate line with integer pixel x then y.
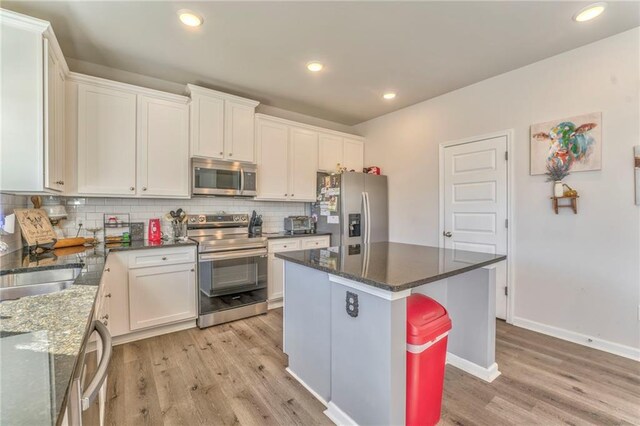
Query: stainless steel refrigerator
{"type": "Point", "coordinates": [353, 207]}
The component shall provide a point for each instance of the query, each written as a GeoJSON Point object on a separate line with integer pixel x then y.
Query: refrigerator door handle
{"type": "Point", "coordinates": [364, 222]}
{"type": "Point", "coordinates": [367, 218]}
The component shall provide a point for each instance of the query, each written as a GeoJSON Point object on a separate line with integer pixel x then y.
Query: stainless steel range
{"type": "Point", "coordinates": [232, 270]}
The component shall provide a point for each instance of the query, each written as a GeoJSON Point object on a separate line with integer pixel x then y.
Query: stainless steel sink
{"type": "Point", "coordinates": [15, 286]}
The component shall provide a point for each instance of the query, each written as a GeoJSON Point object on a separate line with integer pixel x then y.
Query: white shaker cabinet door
{"type": "Point", "coordinates": [163, 148]}
{"type": "Point", "coordinates": [106, 141]}
{"type": "Point", "coordinates": [353, 154]}
{"type": "Point", "coordinates": [303, 165]}
{"type": "Point", "coordinates": [207, 126]}
{"type": "Point", "coordinates": [161, 295]}
{"type": "Point", "coordinates": [273, 160]}
{"type": "Point", "coordinates": [239, 132]}
{"type": "Point", "coordinates": [329, 152]}
{"type": "Point", "coordinates": [53, 116]}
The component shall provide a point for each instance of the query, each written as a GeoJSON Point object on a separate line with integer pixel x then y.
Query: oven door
{"type": "Point", "coordinates": [232, 278]}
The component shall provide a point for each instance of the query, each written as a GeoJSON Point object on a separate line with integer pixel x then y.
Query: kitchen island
{"type": "Point", "coordinates": [345, 321]}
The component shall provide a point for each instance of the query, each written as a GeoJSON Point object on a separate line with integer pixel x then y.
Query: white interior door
{"type": "Point", "coordinates": [475, 203]}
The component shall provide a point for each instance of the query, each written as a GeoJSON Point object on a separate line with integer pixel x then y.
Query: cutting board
{"type": "Point", "coordinates": [35, 226]}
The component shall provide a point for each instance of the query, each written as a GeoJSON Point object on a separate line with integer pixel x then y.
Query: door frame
{"type": "Point", "coordinates": [510, 204]}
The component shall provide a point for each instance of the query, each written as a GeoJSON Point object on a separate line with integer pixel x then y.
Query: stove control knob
{"type": "Point", "coordinates": [202, 219]}
{"type": "Point", "coordinates": [192, 220]}
{"type": "Point", "coordinates": [236, 218]}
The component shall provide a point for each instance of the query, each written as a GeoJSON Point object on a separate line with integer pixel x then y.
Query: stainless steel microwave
{"type": "Point", "coordinates": [232, 179]}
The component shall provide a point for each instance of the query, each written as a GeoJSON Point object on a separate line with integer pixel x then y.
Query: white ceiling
{"type": "Point", "coordinates": [259, 49]}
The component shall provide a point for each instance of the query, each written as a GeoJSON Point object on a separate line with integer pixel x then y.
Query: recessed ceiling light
{"type": "Point", "coordinates": [190, 18]}
{"type": "Point", "coordinates": [389, 95]}
{"type": "Point", "coordinates": [589, 12]}
{"type": "Point", "coordinates": [314, 66]}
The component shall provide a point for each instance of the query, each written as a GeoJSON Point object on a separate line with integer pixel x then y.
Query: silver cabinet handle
{"type": "Point", "coordinates": [447, 234]}
{"type": "Point", "coordinates": [207, 257]}
{"type": "Point", "coordinates": [91, 392]}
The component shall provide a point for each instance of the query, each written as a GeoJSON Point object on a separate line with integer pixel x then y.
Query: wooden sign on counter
{"type": "Point", "coordinates": [35, 226]}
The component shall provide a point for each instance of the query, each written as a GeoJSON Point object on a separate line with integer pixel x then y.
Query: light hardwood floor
{"type": "Point", "coordinates": [234, 374]}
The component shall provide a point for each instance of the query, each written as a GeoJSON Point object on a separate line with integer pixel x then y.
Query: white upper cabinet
{"type": "Point", "coordinates": [222, 125]}
{"type": "Point", "coordinates": [54, 145]}
{"type": "Point", "coordinates": [239, 131]}
{"type": "Point", "coordinates": [131, 141]}
{"type": "Point", "coordinates": [106, 141]}
{"type": "Point", "coordinates": [163, 148]}
{"type": "Point", "coordinates": [207, 126]}
{"type": "Point", "coordinates": [290, 154]}
{"type": "Point", "coordinates": [329, 152]}
{"type": "Point", "coordinates": [32, 90]}
{"type": "Point", "coordinates": [303, 165]}
{"type": "Point", "coordinates": [272, 140]}
{"type": "Point", "coordinates": [353, 154]}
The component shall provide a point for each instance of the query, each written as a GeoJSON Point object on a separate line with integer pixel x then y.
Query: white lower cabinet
{"type": "Point", "coordinates": [143, 289]}
{"type": "Point", "coordinates": [161, 295]}
{"type": "Point", "coordinates": [276, 266]}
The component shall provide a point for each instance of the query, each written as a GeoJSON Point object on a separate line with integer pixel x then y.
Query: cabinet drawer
{"type": "Point", "coordinates": [317, 242]}
{"type": "Point", "coordinates": [285, 245]}
{"type": "Point", "coordinates": [158, 257]}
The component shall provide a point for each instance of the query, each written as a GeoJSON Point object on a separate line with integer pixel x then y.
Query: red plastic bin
{"type": "Point", "coordinates": [428, 325]}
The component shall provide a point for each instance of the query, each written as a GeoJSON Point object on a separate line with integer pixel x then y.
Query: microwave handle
{"type": "Point", "coordinates": [241, 180]}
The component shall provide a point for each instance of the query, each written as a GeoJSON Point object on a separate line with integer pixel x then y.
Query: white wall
{"type": "Point", "coordinates": [577, 273]}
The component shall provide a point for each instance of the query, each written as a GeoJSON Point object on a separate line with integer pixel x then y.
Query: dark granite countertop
{"type": "Point", "coordinates": [43, 336]}
{"type": "Point", "coordinates": [278, 235]}
{"type": "Point", "coordinates": [144, 245]}
{"type": "Point", "coordinates": [391, 266]}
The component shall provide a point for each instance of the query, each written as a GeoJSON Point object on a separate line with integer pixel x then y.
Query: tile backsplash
{"type": "Point", "coordinates": [90, 211]}
{"type": "Point", "coordinates": [9, 202]}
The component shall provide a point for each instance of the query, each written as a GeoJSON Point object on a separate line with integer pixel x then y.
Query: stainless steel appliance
{"type": "Point", "coordinates": [232, 268]}
{"type": "Point", "coordinates": [212, 177]}
{"type": "Point", "coordinates": [298, 224]}
{"type": "Point", "coordinates": [353, 207]}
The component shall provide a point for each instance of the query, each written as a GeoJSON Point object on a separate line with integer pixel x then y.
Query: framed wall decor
{"type": "Point", "coordinates": [576, 141]}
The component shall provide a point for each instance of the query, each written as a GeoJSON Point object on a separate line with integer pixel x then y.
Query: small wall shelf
{"type": "Point", "coordinates": [573, 203]}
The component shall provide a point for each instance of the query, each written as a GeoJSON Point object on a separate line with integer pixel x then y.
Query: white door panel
{"type": "Point", "coordinates": [475, 203]}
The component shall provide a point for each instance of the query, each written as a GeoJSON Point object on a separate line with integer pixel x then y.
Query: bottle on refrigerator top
{"type": "Point", "coordinates": [154, 230]}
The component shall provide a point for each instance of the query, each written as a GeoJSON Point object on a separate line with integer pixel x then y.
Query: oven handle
{"type": "Point", "coordinates": [239, 254]}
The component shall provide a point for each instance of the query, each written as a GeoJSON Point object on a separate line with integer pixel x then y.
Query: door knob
{"type": "Point", "coordinates": [447, 234]}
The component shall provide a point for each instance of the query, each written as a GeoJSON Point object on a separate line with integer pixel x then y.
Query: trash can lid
{"type": "Point", "coordinates": [426, 319]}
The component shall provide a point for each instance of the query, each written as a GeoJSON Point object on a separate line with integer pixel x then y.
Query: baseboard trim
{"type": "Point", "coordinates": [579, 338]}
{"type": "Point", "coordinates": [277, 303]}
{"type": "Point", "coordinates": [152, 332]}
{"type": "Point", "coordinates": [337, 416]}
{"type": "Point", "coordinates": [487, 374]}
{"type": "Point", "coordinates": [314, 393]}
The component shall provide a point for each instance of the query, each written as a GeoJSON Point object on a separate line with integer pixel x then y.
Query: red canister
{"type": "Point", "coordinates": [154, 230]}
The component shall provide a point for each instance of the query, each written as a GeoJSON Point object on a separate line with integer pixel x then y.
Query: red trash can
{"type": "Point", "coordinates": [428, 325]}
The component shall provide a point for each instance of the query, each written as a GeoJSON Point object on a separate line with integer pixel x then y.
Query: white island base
{"type": "Point", "coordinates": [356, 365]}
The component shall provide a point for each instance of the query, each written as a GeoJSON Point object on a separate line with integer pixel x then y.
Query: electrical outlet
{"type": "Point", "coordinates": [352, 304]}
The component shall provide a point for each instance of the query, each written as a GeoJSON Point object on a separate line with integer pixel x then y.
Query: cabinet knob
{"type": "Point", "coordinates": [107, 295]}
{"type": "Point", "coordinates": [193, 270]}
{"type": "Point", "coordinates": [107, 269]}
{"type": "Point", "coordinates": [286, 195]}
{"type": "Point", "coordinates": [292, 195]}
{"type": "Point", "coordinates": [132, 188]}
{"type": "Point", "coordinates": [231, 154]}
{"type": "Point", "coordinates": [221, 153]}
{"type": "Point", "coordinates": [59, 182]}
{"type": "Point", "coordinates": [164, 258]}
{"type": "Point", "coordinates": [105, 322]}
{"type": "Point", "coordinates": [105, 317]}
{"type": "Point", "coordinates": [144, 188]}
